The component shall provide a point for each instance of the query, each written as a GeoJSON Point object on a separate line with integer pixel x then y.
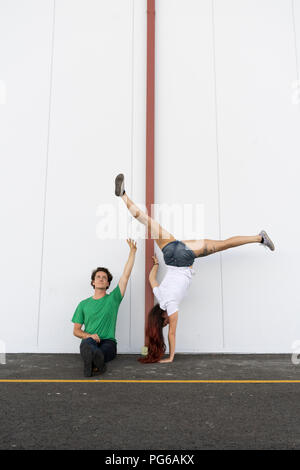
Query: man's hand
{"type": "Point", "coordinates": [132, 245]}
{"type": "Point", "coordinates": [95, 337]}
{"type": "Point", "coordinates": [128, 266]}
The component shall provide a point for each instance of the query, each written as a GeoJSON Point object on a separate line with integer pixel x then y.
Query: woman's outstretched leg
{"type": "Point", "coordinates": [155, 230]}
{"type": "Point", "coordinates": [206, 247]}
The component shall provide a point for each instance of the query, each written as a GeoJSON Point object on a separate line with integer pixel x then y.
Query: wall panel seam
{"type": "Point", "coordinates": [218, 165]}
{"type": "Point", "coordinates": [46, 171]}
{"type": "Point", "coordinates": [131, 153]}
{"type": "Point", "coordinates": [295, 41]}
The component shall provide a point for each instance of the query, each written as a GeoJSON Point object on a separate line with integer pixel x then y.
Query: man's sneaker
{"type": "Point", "coordinates": [87, 356]}
{"type": "Point", "coordinates": [266, 240]}
{"type": "Point", "coordinates": [119, 185]}
{"type": "Point", "coordinates": [98, 360]}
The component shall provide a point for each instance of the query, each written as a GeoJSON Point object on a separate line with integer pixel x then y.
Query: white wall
{"type": "Point", "coordinates": [227, 137]}
{"type": "Point", "coordinates": [91, 140]}
{"type": "Point", "coordinates": [80, 126]}
{"type": "Point", "coordinates": [186, 163]}
{"type": "Point", "coordinates": [259, 148]}
{"type": "Point", "coordinates": [25, 44]}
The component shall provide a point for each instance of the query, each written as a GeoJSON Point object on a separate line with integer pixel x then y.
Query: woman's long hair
{"type": "Point", "coordinates": [154, 332]}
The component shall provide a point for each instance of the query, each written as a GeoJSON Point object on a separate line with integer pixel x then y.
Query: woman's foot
{"type": "Point", "coordinates": [266, 240]}
{"type": "Point", "coordinates": [119, 185]}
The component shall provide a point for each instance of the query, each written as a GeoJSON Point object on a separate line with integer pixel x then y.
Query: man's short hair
{"type": "Point", "coordinates": [105, 270]}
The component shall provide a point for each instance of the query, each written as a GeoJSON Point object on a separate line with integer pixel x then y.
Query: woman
{"type": "Point", "coordinates": [179, 257]}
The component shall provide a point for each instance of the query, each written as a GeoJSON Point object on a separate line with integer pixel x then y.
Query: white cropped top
{"type": "Point", "coordinates": [173, 288]}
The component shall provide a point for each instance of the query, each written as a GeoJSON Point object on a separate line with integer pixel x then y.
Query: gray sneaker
{"type": "Point", "coordinates": [119, 185]}
{"type": "Point", "coordinates": [267, 240]}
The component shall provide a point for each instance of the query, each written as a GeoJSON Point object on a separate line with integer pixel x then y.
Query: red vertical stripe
{"type": "Point", "coordinates": [150, 146]}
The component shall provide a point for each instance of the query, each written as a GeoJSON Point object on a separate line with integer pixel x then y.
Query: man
{"type": "Point", "coordinates": [99, 316]}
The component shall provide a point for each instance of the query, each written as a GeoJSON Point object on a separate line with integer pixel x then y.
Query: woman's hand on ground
{"type": "Point", "coordinates": [166, 360]}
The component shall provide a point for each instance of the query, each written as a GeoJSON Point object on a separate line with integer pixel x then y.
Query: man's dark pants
{"type": "Point", "coordinates": [107, 346]}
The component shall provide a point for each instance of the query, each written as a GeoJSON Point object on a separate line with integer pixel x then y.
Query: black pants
{"type": "Point", "coordinates": [107, 346]}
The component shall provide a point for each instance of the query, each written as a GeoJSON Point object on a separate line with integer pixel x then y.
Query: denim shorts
{"type": "Point", "coordinates": [176, 253]}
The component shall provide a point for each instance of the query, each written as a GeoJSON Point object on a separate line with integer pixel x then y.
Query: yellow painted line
{"type": "Point", "coordinates": [144, 381]}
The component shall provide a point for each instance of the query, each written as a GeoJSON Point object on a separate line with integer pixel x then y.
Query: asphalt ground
{"type": "Point", "coordinates": [203, 401]}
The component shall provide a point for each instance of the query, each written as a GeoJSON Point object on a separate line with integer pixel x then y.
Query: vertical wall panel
{"type": "Point", "coordinates": [25, 56]}
{"type": "Point", "coordinates": [90, 142]}
{"type": "Point", "coordinates": [137, 187]}
{"type": "Point", "coordinates": [186, 158]}
{"type": "Point", "coordinates": [258, 128]}
{"type": "Point", "coordinates": [296, 31]}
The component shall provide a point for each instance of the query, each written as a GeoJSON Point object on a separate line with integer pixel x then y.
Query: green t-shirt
{"type": "Point", "coordinates": [99, 315]}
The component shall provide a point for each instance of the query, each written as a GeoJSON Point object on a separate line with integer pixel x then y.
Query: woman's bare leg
{"type": "Point", "coordinates": [155, 231]}
{"type": "Point", "coordinates": [206, 247]}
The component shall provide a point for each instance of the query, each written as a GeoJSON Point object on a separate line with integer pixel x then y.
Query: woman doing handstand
{"type": "Point", "coordinates": [179, 257]}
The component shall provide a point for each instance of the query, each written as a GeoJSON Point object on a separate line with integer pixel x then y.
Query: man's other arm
{"type": "Point", "coordinates": [77, 331]}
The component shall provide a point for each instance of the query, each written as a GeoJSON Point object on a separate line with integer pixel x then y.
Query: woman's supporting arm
{"type": "Point", "coordinates": [172, 337]}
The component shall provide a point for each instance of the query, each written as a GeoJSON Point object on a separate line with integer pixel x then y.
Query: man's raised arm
{"type": "Point", "coordinates": [128, 266]}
